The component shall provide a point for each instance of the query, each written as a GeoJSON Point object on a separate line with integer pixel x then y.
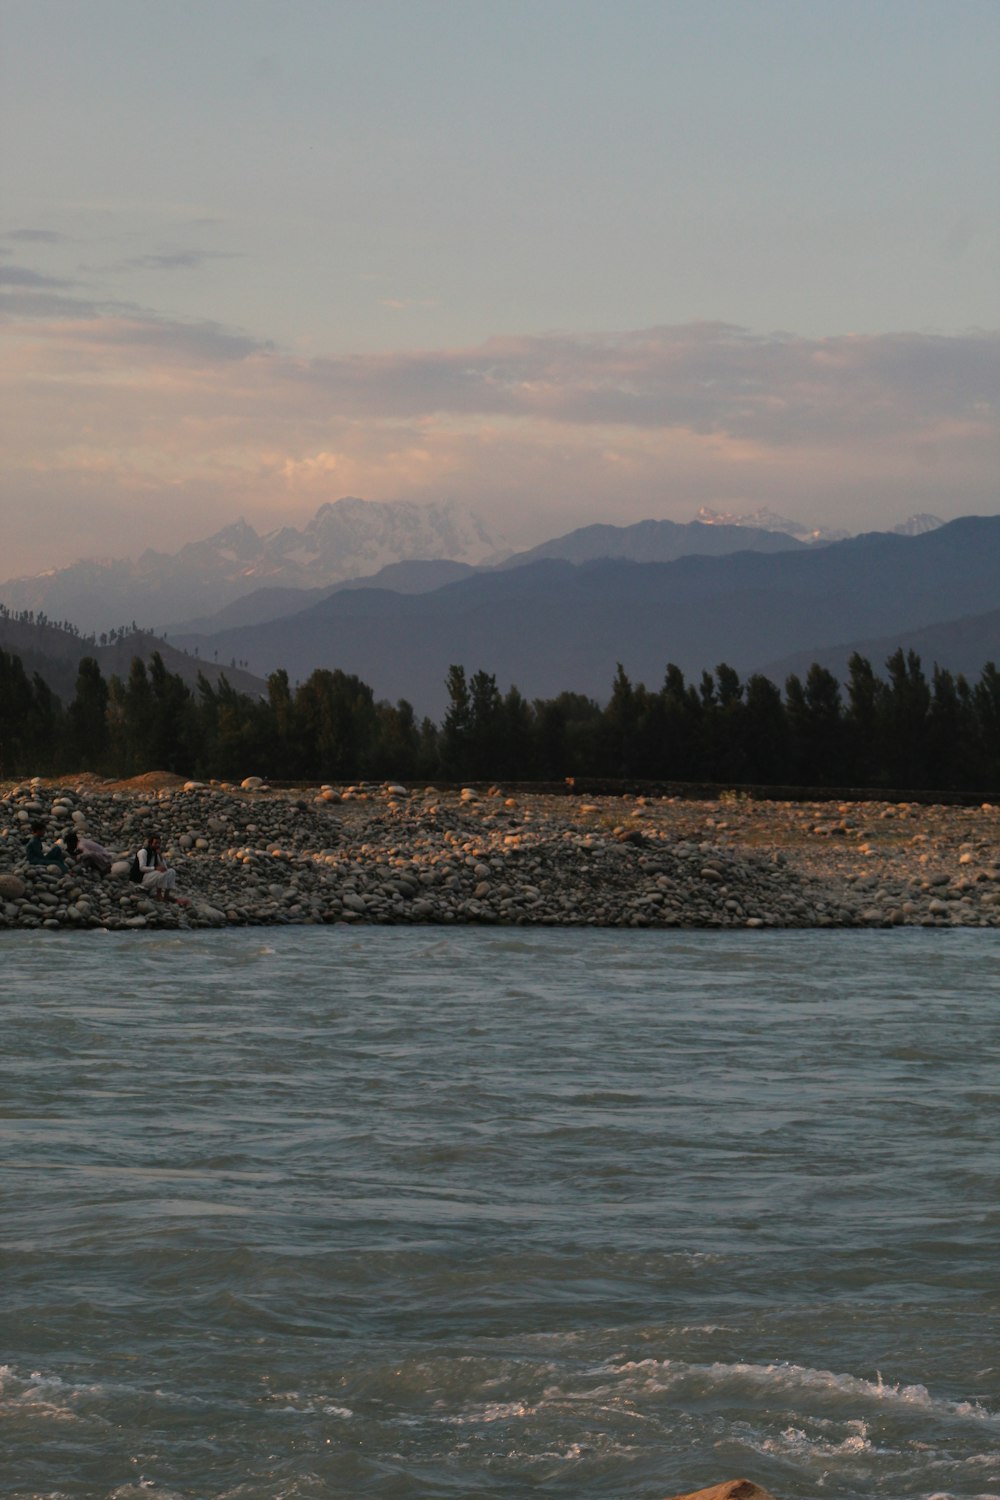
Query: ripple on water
{"type": "Point", "coordinates": [410, 1213]}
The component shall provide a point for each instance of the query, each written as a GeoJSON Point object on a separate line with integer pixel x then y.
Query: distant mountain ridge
{"type": "Point", "coordinates": [656, 541]}
{"type": "Point", "coordinates": [343, 539]}
{"type": "Point", "coordinates": [962, 645]}
{"type": "Point", "coordinates": [350, 542]}
{"type": "Point", "coordinates": [766, 520]}
{"type": "Point", "coordinates": [551, 625]}
{"type": "Point", "coordinates": [416, 577]}
{"type": "Point", "coordinates": [643, 541]}
{"type": "Point", "coordinates": [763, 519]}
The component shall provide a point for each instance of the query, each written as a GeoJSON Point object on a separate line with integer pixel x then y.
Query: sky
{"type": "Point", "coordinates": [561, 261]}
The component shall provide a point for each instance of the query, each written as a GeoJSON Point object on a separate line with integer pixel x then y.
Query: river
{"type": "Point", "coordinates": [413, 1212]}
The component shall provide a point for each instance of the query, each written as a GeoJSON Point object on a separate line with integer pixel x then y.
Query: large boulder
{"type": "Point", "coordinates": [733, 1489]}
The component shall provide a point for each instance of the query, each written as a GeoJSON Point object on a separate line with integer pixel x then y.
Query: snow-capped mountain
{"type": "Point", "coordinates": [766, 520]}
{"type": "Point", "coordinates": [347, 538]}
{"type": "Point", "coordinates": [918, 525]}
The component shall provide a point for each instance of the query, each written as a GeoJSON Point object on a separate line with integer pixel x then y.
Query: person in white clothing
{"type": "Point", "coordinates": [156, 876]}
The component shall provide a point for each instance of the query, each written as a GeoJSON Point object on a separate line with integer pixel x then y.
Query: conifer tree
{"type": "Point", "coordinates": [88, 740]}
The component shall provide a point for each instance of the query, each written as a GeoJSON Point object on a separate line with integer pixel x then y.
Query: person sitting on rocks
{"type": "Point", "coordinates": [36, 854]}
{"type": "Point", "coordinates": [88, 852]}
{"type": "Point", "coordinates": [156, 876]}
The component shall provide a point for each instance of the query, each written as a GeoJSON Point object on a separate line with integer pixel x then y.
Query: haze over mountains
{"type": "Point", "coordinates": [552, 625]}
{"type": "Point", "coordinates": [768, 521]}
{"type": "Point", "coordinates": [558, 617]}
{"type": "Point", "coordinates": [342, 540]}
{"type": "Point", "coordinates": [351, 540]}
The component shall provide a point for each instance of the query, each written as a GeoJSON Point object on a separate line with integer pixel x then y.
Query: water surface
{"type": "Point", "coordinates": [424, 1212]}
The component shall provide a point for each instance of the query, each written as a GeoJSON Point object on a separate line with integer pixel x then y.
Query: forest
{"type": "Point", "coordinates": [899, 730]}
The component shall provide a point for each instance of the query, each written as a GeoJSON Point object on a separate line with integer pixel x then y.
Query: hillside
{"type": "Point", "coordinates": [55, 654]}
{"type": "Point", "coordinates": [550, 626]}
{"type": "Point", "coordinates": [964, 645]}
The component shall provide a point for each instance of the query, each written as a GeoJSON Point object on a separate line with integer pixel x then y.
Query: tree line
{"type": "Point", "coordinates": [900, 730]}
{"type": "Point", "coordinates": [41, 621]}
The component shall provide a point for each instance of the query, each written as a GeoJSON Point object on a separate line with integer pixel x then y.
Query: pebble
{"type": "Point", "coordinates": [379, 853]}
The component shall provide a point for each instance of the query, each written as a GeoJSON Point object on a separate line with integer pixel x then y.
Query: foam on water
{"type": "Point", "coordinates": [788, 1378]}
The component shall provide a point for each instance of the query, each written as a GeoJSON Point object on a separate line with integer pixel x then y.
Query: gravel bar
{"type": "Point", "coordinates": [250, 855]}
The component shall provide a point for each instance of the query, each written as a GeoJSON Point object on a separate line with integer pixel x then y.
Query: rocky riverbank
{"type": "Point", "coordinates": [249, 855]}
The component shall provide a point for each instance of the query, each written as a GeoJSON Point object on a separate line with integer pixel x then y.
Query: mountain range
{"type": "Point", "coordinates": [550, 625]}
{"type": "Point", "coordinates": [645, 541]}
{"type": "Point", "coordinates": [349, 540]}
{"type": "Point", "coordinates": [342, 540]}
{"type": "Point", "coordinates": [557, 617]}
{"type": "Point", "coordinates": [766, 520]}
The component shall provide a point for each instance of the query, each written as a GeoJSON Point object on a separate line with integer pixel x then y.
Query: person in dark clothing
{"type": "Point", "coordinates": [36, 854]}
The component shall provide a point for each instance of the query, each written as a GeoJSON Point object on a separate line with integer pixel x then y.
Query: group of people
{"type": "Point", "coordinates": [155, 875]}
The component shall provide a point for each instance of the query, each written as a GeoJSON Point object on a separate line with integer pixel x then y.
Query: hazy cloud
{"type": "Point", "coordinates": [402, 304]}
{"type": "Point", "coordinates": [177, 260]}
{"type": "Point", "coordinates": [103, 326]}
{"type": "Point", "coordinates": [29, 306]}
{"type": "Point", "coordinates": [707, 378]}
{"type": "Point", "coordinates": [185, 340]}
{"type": "Point", "coordinates": [39, 236]}
{"type": "Point", "coordinates": [115, 408]}
{"type": "Point", "coordinates": [23, 276]}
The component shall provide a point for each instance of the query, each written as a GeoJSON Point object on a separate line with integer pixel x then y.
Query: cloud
{"type": "Point", "coordinates": [183, 340]}
{"type": "Point", "coordinates": [707, 378]}
{"type": "Point", "coordinates": [38, 236]}
{"type": "Point", "coordinates": [69, 325]}
{"type": "Point", "coordinates": [23, 276]}
{"type": "Point", "coordinates": [176, 260]}
{"type": "Point", "coordinates": [40, 308]}
{"type": "Point", "coordinates": [403, 304]}
{"type": "Point", "coordinates": [29, 294]}
{"type": "Point", "coordinates": [112, 409]}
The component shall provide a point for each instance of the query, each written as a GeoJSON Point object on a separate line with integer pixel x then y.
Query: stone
{"type": "Point", "coordinates": [11, 887]}
{"type": "Point", "coordinates": [210, 914]}
{"type": "Point", "coordinates": [733, 1489]}
{"type": "Point", "coordinates": [532, 860]}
